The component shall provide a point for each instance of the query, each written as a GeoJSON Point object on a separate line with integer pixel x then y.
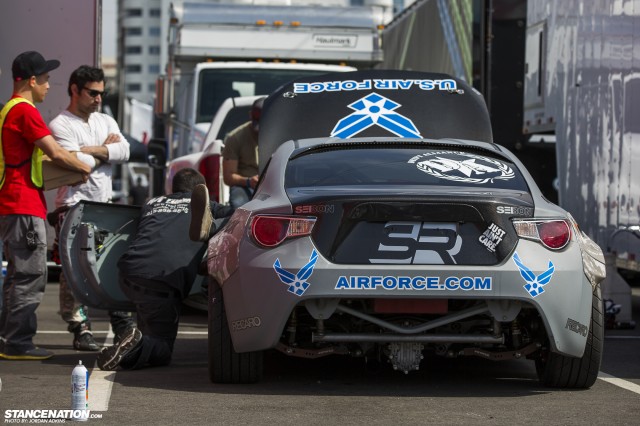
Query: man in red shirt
{"type": "Point", "coordinates": [23, 138]}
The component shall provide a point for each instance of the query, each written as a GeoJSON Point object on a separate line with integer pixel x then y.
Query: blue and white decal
{"type": "Point", "coordinates": [462, 167]}
{"type": "Point", "coordinates": [364, 282]}
{"type": "Point", "coordinates": [375, 84]}
{"type": "Point", "coordinates": [534, 283]}
{"type": "Point", "coordinates": [376, 110]}
{"type": "Point", "coordinates": [297, 282]}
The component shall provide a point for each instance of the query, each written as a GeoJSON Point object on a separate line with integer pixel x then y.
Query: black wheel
{"type": "Point", "coordinates": [561, 371]}
{"type": "Point", "coordinates": [225, 364]}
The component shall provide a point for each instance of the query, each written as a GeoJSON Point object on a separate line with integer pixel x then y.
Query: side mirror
{"type": "Point", "coordinates": [157, 154]}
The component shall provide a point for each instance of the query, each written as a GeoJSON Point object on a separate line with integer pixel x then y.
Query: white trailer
{"type": "Point", "coordinates": [217, 51]}
{"type": "Point", "coordinates": [582, 89]}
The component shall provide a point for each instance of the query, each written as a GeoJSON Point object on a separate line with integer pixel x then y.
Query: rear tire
{"type": "Point", "coordinates": [225, 364]}
{"type": "Point", "coordinates": [560, 371]}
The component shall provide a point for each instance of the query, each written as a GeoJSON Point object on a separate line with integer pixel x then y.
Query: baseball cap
{"type": "Point", "coordinates": [31, 63]}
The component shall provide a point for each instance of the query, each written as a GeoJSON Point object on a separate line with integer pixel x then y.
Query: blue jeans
{"type": "Point", "coordinates": [239, 195]}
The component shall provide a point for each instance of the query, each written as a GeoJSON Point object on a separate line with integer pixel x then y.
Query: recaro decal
{"type": "Point", "coordinates": [243, 324]}
{"type": "Point", "coordinates": [421, 243]}
{"type": "Point", "coordinates": [297, 283]}
{"type": "Point", "coordinates": [375, 110]}
{"type": "Point", "coordinates": [462, 167]}
{"type": "Point", "coordinates": [577, 327]}
{"type": "Point", "coordinates": [534, 283]}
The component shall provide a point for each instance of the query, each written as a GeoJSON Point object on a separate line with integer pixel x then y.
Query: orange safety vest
{"type": "Point", "coordinates": [36, 157]}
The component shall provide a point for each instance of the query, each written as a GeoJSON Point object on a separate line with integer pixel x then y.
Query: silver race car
{"type": "Point", "coordinates": [388, 225]}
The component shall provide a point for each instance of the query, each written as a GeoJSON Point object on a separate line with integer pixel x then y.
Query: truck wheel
{"type": "Point", "coordinates": [561, 371]}
{"type": "Point", "coordinates": [225, 364]}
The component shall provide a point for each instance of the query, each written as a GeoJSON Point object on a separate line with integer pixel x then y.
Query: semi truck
{"type": "Point", "coordinates": [217, 51]}
{"type": "Point", "coordinates": [561, 83]}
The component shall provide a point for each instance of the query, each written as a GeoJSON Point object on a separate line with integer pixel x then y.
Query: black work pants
{"type": "Point", "coordinates": [158, 313]}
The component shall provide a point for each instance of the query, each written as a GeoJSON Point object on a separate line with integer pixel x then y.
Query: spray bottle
{"type": "Point", "coordinates": [80, 391]}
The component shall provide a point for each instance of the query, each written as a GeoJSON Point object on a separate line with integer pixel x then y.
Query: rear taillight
{"type": "Point", "coordinates": [553, 233]}
{"type": "Point", "coordinates": [210, 169]}
{"type": "Point", "coordinates": [270, 231]}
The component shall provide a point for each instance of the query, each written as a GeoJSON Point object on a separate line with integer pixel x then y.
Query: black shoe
{"type": "Point", "coordinates": [35, 354]}
{"type": "Point", "coordinates": [110, 357]}
{"type": "Point", "coordinates": [201, 218]}
{"type": "Point", "coordinates": [85, 342]}
{"type": "Point", "coordinates": [120, 334]}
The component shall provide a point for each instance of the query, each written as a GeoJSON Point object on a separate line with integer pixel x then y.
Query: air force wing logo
{"type": "Point", "coordinates": [375, 110]}
{"type": "Point", "coordinates": [297, 282]}
{"type": "Point", "coordinates": [534, 283]}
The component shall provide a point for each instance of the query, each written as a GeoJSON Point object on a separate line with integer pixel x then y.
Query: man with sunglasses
{"type": "Point", "coordinates": [97, 139]}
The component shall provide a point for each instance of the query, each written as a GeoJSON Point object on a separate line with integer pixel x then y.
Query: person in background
{"type": "Point", "coordinates": [24, 137]}
{"type": "Point", "coordinates": [156, 277]}
{"type": "Point", "coordinates": [96, 138]}
{"type": "Point", "coordinates": [138, 193]}
{"type": "Point", "coordinates": [240, 158]}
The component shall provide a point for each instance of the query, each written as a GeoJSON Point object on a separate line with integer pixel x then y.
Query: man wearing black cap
{"type": "Point", "coordinates": [24, 137]}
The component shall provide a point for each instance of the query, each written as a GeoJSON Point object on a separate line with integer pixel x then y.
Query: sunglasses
{"type": "Point", "coordinates": [95, 93]}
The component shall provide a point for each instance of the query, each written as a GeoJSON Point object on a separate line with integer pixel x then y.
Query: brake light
{"type": "Point", "coordinates": [553, 234]}
{"type": "Point", "coordinates": [210, 169]}
{"type": "Point", "coordinates": [270, 231]}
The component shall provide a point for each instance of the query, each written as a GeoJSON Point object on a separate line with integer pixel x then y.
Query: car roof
{"type": "Point", "coordinates": [373, 103]}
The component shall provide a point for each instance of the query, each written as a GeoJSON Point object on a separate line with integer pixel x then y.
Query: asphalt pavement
{"type": "Point", "coordinates": [333, 390]}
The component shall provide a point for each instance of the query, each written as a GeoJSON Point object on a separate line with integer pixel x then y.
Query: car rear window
{"type": "Point", "coordinates": [383, 165]}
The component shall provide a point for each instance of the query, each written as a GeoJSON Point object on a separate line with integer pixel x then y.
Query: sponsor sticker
{"type": "Point", "coordinates": [492, 237]}
{"type": "Point", "coordinates": [313, 209]}
{"type": "Point", "coordinates": [421, 243]}
{"type": "Point", "coordinates": [462, 167]}
{"type": "Point", "coordinates": [374, 84]}
{"type": "Point", "coordinates": [576, 327]}
{"type": "Point", "coordinates": [243, 324]}
{"type": "Point", "coordinates": [515, 210]}
{"type": "Point", "coordinates": [390, 282]}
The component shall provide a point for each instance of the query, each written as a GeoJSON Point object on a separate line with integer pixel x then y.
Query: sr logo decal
{"type": "Point", "coordinates": [375, 110]}
{"type": "Point", "coordinates": [420, 243]}
{"type": "Point", "coordinates": [297, 282]}
{"type": "Point", "coordinates": [535, 282]}
{"type": "Point", "coordinates": [462, 167]}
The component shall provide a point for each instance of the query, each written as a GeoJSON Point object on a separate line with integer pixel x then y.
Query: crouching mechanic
{"type": "Point", "coordinates": [158, 269]}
